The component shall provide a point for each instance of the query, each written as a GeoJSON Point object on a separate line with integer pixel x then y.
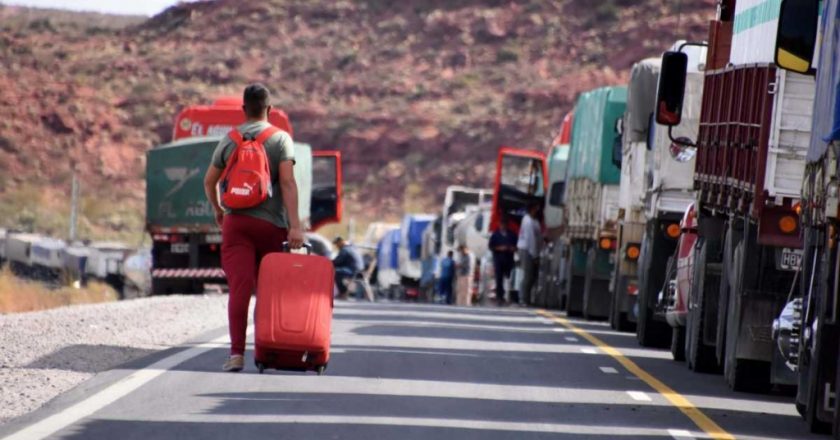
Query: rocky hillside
{"type": "Point", "coordinates": [417, 94]}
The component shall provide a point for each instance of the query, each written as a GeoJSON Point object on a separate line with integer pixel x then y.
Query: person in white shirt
{"type": "Point", "coordinates": [528, 245]}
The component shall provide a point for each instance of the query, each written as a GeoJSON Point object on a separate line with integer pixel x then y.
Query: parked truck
{"type": "Point", "coordinates": [455, 204]}
{"type": "Point", "coordinates": [186, 242]}
{"type": "Point", "coordinates": [667, 189]}
{"type": "Point", "coordinates": [754, 133]}
{"type": "Point", "coordinates": [551, 276]}
{"type": "Point", "coordinates": [410, 252]}
{"type": "Point", "coordinates": [591, 202]}
{"type": "Point", "coordinates": [631, 155]}
{"type": "Point", "coordinates": [807, 331]}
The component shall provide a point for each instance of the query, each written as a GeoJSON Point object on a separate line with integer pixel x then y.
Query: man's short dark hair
{"type": "Point", "coordinates": [256, 99]}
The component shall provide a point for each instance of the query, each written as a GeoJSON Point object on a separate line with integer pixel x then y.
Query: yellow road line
{"type": "Point", "coordinates": [684, 405]}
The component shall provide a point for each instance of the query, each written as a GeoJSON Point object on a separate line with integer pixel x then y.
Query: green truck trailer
{"type": "Point", "coordinates": [591, 202]}
{"type": "Point", "coordinates": [186, 242]}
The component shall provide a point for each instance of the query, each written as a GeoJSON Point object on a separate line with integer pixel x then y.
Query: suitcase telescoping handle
{"type": "Point", "coordinates": [306, 246]}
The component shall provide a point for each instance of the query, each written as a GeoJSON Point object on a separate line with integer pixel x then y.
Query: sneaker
{"type": "Point", "coordinates": [234, 363]}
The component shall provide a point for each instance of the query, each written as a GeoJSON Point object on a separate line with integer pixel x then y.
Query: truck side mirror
{"type": "Point", "coordinates": [797, 35]}
{"type": "Point", "coordinates": [326, 203]}
{"type": "Point", "coordinates": [617, 146]}
{"type": "Point", "coordinates": [557, 196]}
{"type": "Point", "coordinates": [671, 90]}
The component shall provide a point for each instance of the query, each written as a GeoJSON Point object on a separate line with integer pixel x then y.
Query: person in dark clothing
{"type": "Point", "coordinates": [447, 277]}
{"type": "Point", "coordinates": [348, 263]}
{"type": "Point", "coordinates": [503, 245]}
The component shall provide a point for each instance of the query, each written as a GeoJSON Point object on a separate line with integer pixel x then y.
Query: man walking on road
{"type": "Point", "coordinates": [251, 233]}
{"type": "Point", "coordinates": [530, 237]}
{"type": "Point", "coordinates": [503, 245]}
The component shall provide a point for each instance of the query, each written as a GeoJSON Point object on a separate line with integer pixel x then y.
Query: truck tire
{"type": "Point", "coordinates": [620, 320]}
{"type": "Point", "coordinates": [678, 344]}
{"type": "Point", "coordinates": [596, 294]}
{"type": "Point", "coordinates": [574, 292]}
{"type": "Point", "coordinates": [816, 369]}
{"type": "Point", "coordinates": [741, 374]}
{"type": "Point", "coordinates": [649, 331]}
{"type": "Point", "coordinates": [699, 356]}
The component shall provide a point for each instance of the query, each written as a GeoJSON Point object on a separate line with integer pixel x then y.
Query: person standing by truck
{"type": "Point", "coordinates": [447, 278]}
{"type": "Point", "coordinates": [530, 236]}
{"type": "Point", "coordinates": [503, 245]}
{"type": "Point", "coordinates": [464, 269]}
{"type": "Point", "coordinates": [250, 233]}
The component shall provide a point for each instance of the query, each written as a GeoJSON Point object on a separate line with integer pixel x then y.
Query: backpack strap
{"type": "Point", "coordinates": [236, 136]}
{"type": "Point", "coordinates": [266, 134]}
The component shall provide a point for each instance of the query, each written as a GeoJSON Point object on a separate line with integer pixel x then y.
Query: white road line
{"type": "Point", "coordinates": [681, 434]}
{"type": "Point", "coordinates": [639, 396]}
{"type": "Point", "coordinates": [608, 370]}
{"type": "Point", "coordinates": [52, 424]}
{"type": "Point", "coordinates": [571, 339]}
{"type": "Point", "coordinates": [589, 350]}
{"type": "Point", "coordinates": [403, 422]}
{"type": "Point", "coordinates": [560, 330]}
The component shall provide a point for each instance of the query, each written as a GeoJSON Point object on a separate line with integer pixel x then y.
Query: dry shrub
{"type": "Point", "coordinates": [18, 295]}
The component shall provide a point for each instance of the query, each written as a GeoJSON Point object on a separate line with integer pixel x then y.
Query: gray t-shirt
{"type": "Point", "coordinates": [278, 148]}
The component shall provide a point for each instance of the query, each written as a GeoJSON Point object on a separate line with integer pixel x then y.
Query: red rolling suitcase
{"type": "Point", "coordinates": [293, 314]}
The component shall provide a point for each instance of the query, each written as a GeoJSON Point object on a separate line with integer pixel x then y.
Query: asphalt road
{"type": "Point", "coordinates": [402, 371]}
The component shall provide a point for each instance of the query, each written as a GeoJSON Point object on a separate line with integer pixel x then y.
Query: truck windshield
{"type": "Point", "coordinates": [522, 175]}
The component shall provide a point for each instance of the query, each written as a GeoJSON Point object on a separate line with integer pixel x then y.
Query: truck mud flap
{"type": "Point", "coordinates": [755, 336]}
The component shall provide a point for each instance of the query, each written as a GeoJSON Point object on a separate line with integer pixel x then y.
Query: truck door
{"type": "Point", "coordinates": [325, 206]}
{"type": "Point", "coordinates": [521, 180]}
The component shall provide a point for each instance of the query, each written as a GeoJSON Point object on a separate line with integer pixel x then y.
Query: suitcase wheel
{"type": "Point", "coordinates": [321, 369]}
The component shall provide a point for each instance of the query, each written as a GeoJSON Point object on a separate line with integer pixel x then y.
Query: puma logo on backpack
{"type": "Point", "coordinates": [246, 180]}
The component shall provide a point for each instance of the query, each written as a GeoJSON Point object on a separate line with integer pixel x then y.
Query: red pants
{"type": "Point", "coordinates": [245, 241]}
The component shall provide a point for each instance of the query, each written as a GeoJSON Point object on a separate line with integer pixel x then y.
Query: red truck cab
{"type": "Point", "coordinates": [219, 118]}
{"type": "Point", "coordinates": [521, 179]}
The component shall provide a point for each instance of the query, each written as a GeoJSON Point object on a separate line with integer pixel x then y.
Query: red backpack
{"type": "Point", "coordinates": [246, 180]}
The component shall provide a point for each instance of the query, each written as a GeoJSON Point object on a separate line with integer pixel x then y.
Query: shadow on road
{"type": "Point", "coordinates": [84, 358]}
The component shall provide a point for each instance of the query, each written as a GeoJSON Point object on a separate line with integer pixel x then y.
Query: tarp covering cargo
{"type": "Point", "coordinates": [754, 32]}
{"type": "Point", "coordinates": [641, 98]}
{"type": "Point", "coordinates": [387, 250]}
{"type": "Point", "coordinates": [593, 136]}
{"type": "Point", "coordinates": [826, 126]}
{"type": "Point", "coordinates": [413, 227]}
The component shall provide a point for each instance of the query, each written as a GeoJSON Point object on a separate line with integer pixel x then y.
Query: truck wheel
{"type": "Point", "coordinates": [699, 356]}
{"type": "Point", "coordinates": [574, 297]}
{"type": "Point", "coordinates": [816, 394]}
{"type": "Point", "coordinates": [620, 320]}
{"type": "Point", "coordinates": [596, 296]}
{"type": "Point", "coordinates": [678, 344]}
{"type": "Point", "coordinates": [649, 331]}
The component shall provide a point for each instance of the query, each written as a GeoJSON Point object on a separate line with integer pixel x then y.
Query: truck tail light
{"type": "Point", "coordinates": [632, 289]}
{"type": "Point", "coordinates": [213, 248]}
{"type": "Point", "coordinates": [632, 252]}
{"type": "Point", "coordinates": [673, 230]}
{"type": "Point", "coordinates": [787, 224]}
{"type": "Point", "coordinates": [605, 244]}
{"type": "Point", "coordinates": [797, 208]}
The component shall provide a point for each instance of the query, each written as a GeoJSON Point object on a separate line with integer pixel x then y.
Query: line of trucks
{"type": "Point", "coordinates": [699, 205]}
{"type": "Point", "coordinates": [185, 251]}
